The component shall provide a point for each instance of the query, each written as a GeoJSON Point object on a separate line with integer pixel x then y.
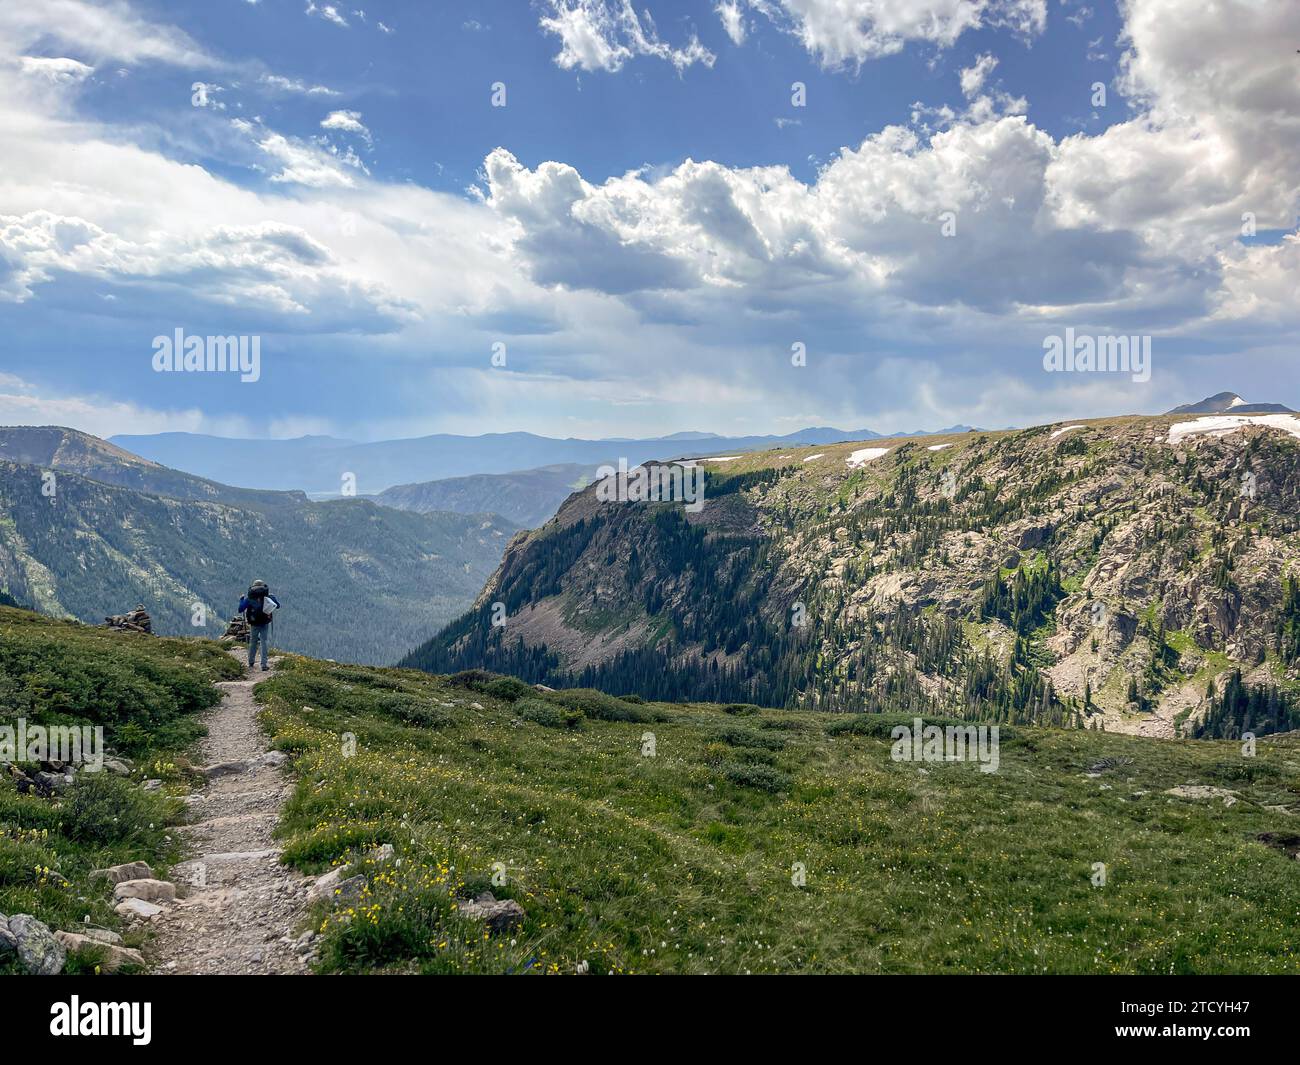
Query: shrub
{"type": "Point", "coordinates": [548, 715]}
{"type": "Point", "coordinates": [741, 709]}
{"type": "Point", "coordinates": [101, 808]}
{"type": "Point", "coordinates": [508, 689]}
{"type": "Point", "coordinates": [471, 678]}
{"type": "Point", "coordinates": [743, 737]}
{"type": "Point", "coordinates": [598, 705]}
{"type": "Point", "coordinates": [759, 777]}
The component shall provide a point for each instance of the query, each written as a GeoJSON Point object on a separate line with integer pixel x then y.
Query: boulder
{"type": "Point", "coordinates": [499, 915]}
{"type": "Point", "coordinates": [114, 956]}
{"type": "Point", "coordinates": [130, 871]}
{"type": "Point", "coordinates": [8, 941]}
{"type": "Point", "coordinates": [147, 889]}
{"type": "Point", "coordinates": [137, 909]}
{"type": "Point", "coordinates": [38, 950]}
{"type": "Point", "coordinates": [334, 888]}
{"type": "Point", "coordinates": [224, 769]}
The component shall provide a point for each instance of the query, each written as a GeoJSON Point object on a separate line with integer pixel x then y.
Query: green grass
{"type": "Point", "coordinates": [145, 692]}
{"type": "Point", "coordinates": [683, 862]}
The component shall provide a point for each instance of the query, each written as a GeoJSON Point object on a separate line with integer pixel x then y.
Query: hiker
{"type": "Point", "coordinates": [257, 607]}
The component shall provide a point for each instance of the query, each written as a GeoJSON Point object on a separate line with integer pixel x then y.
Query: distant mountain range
{"type": "Point", "coordinates": [1230, 403]}
{"type": "Point", "coordinates": [318, 464]}
{"type": "Point", "coordinates": [527, 497]}
{"type": "Point", "coordinates": [361, 582]}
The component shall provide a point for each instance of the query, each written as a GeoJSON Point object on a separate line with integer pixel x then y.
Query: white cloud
{"type": "Point", "coordinates": [101, 31]}
{"type": "Point", "coordinates": [328, 12]}
{"type": "Point", "coordinates": [605, 34]}
{"type": "Point", "coordinates": [59, 71]}
{"type": "Point", "coordinates": [850, 32]}
{"type": "Point", "coordinates": [733, 19]}
{"type": "Point", "coordinates": [974, 76]}
{"type": "Point", "coordinates": [346, 122]}
{"type": "Point", "coordinates": [283, 84]}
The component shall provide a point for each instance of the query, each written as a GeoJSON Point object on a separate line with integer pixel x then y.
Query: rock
{"type": "Point", "coordinates": [137, 909]}
{"type": "Point", "coordinates": [325, 884]}
{"type": "Point", "coordinates": [332, 887]}
{"type": "Point", "coordinates": [1035, 536]}
{"type": "Point", "coordinates": [1286, 842]}
{"type": "Point", "coordinates": [136, 621]}
{"type": "Point", "coordinates": [8, 941]}
{"type": "Point", "coordinates": [237, 630]}
{"type": "Point", "coordinates": [114, 956]}
{"type": "Point", "coordinates": [499, 915]}
{"type": "Point", "coordinates": [118, 766]}
{"type": "Point", "coordinates": [274, 759]}
{"type": "Point", "coordinates": [53, 783]}
{"type": "Point", "coordinates": [1203, 791]}
{"type": "Point", "coordinates": [350, 890]}
{"type": "Point", "coordinates": [130, 871]}
{"type": "Point", "coordinates": [151, 785]}
{"type": "Point", "coordinates": [224, 769]}
{"type": "Point", "coordinates": [38, 950]}
{"type": "Point", "coordinates": [102, 935]}
{"type": "Point", "coordinates": [381, 853]}
{"type": "Point", "coordinates": [149, 890]}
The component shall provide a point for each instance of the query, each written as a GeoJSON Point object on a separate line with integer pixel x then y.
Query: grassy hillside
{"type": "Point", "coordinates": [683, 862]}
{"type": "Point", "coordinates": [680, 862]}
{"type": "Point", "coordinates": [145, 693]}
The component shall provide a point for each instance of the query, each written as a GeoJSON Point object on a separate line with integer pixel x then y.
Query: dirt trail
{"type": "Point", "coordinates": [241, 909]}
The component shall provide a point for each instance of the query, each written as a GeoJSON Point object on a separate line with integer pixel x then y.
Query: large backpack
{"type": "Point", "coordinates": [255, 614]}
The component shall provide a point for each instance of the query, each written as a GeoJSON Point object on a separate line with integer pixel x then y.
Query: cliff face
{"type": "Point", "coordinates": [1104, 572]}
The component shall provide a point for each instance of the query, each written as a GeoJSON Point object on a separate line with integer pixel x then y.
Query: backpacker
{"type": "Point", "coordinates": [256, 614]}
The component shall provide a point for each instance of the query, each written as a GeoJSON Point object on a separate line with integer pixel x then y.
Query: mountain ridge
{"type": "Point", "coordinates": [972, 596]}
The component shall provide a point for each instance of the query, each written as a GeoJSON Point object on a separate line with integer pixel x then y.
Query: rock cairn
{"type": "Point", "coordinates": [137, 620]}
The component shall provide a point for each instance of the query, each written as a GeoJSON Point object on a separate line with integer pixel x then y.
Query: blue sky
{"type": "Point", "coordinates": [649, 226]}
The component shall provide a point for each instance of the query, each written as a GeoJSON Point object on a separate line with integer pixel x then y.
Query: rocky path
{"type": "Point", "coordinates": [240, 910]}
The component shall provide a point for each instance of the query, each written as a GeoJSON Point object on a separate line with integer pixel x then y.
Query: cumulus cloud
{"type": "Point", "coordinates": [974, 76]}
{"type": "Point", "coordinates": [685, 285]}
{"type": "Point", "coordinates": [605, 34]}
{"type": "Point", "coordinates": [346, 122]}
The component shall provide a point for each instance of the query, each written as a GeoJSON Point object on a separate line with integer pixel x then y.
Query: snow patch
{"type": "Point", "coordinates": [865, 455]}
{"type": "Point", "coordinates": [819, 455]}
{"type": "Point", "coordinates": [1064, 429]}
{"type": "Point", "coordinates": [937, 447]}
{"type": "Point", "coordinates": [1223, 424]}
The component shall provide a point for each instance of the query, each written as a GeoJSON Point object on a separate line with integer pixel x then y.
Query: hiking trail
{"type": "Point", "coordinates": [242, 909]}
